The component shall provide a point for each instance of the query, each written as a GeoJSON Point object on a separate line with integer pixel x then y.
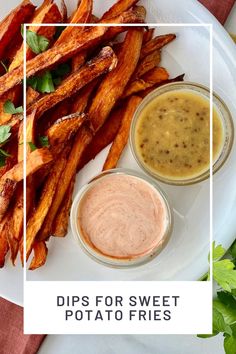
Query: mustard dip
{"type": "Point", "coordinates": [172, 135]}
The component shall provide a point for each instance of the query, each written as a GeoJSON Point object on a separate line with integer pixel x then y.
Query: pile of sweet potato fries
{"type": "Point", "coordinates": [84, 84]}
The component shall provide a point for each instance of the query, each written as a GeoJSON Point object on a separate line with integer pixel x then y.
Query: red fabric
{"type": "Point", "coordinates": [219, 8]}
{"type": "Point", "coordinates": [12, 339]}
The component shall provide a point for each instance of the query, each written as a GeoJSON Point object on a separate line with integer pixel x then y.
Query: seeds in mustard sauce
{"type": "Point", "coordinates": [174, 141]}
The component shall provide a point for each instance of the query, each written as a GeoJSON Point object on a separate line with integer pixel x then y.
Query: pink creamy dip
{"type": "Point", "coordinates": [122, 216]}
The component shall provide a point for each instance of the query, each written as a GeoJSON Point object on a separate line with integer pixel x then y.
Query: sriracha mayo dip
{"type": "Point", "coordinates": [123, 217]}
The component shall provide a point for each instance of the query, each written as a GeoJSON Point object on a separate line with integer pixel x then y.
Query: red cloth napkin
{"type": "Point", "coordinates": [219, 8]}
{"type": "Point", "coordinates": [12, 340]}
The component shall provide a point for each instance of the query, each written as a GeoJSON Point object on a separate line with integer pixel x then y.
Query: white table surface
{"type": "Point", "coordinates": [78, 344]}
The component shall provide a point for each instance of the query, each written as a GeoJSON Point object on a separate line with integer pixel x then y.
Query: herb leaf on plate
{"type": "Point", "coordinates": [32, 146]}
{"type": "Point", "coordinates": [36, 42]}
{"type": "Point", "coordinates": [10, 108]}
{"type": "Point", "coordinates": [5, 133]}
{"type": "Point", "coordinates": [44, 141]}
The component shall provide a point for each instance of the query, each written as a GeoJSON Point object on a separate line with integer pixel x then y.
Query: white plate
{"type": "Point", "coordinates": [185, 258]}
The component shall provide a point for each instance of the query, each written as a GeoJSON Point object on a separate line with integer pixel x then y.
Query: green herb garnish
{"type": "Point", "coordinates": [5, 133]}
{"type": "Point", "coordinates": [32, 146]}
{"type": "Point", "coordinates": [224, 305]}
{"type": "Point", "coordinates": [10, 108]}
{"type": "Point", "coordinates": [36, 42]}
{"type": "Point", "coordinates": [43, 84]}
{"type": "Point", "coordinates": [46, 83]}
{"type": "Point", "coordinates": [44, 141]}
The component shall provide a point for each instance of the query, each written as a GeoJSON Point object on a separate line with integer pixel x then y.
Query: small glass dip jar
{"type": "Point", "coordinates": [103, 213]}
{"type": "Point", "coordinates": [219, 108]}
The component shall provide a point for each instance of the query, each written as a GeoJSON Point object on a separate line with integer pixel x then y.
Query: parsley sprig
{"type": "Point", "coordinates": [10, 108]}
{"type": "Point", "coordinates": [36, 42]}
{"type": "Point", "coordinates": [46, 83]}
{"type": "Point", "coordinates": [43, 141]}
{"type": "Point", "coordinates": [224, 305]}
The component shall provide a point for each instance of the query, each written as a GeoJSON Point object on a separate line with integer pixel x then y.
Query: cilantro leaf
{"type": "Point", "coordinates": [32, 82]}
{"type": "Point", "coordinates": [37, 43]}
{"type": "Point", "coordinates": [43, 84]}
{"type": "Point", "coordinates": [225, 274]}
{"type": "Point", "coordinates": [32, 146]}
{"type": "Point", "coordinates": [10, 108]}
{"type": "Point", "coordinates": [62, 70]}
{"type": "Point", "coordinates": [4, 133]}
{"type": "Point", "coordinates": [44, 141]}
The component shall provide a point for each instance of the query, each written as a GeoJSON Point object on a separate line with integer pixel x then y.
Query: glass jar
{"type": "Point", "coordinates": [108, 260]}
{"type": "Point", "coordinates": [223, 113]}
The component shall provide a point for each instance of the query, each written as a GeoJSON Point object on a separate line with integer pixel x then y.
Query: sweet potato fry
{"type": "Point", "coordinates": [147, 36]}
{"type": "Point", "coordinates": [151, 78]}
{"type": "Point", "coordinates": [31, 96]}
{"type": "Point", "coordinates": [80, 101]}
{"type": "Point", "coordinates": [60, 224]}
{"type": "Point", "coordinates": [11, 148]}
{"type": "Point", "coordinates": [7, 189]}
{"type": "Point", "coordinates": [149, 90]}
{"type": "Point", "coordinates": [156, 43]}
{"type": "Point", "coordinates": [112, 87]}
{"type": "Point", "coordinates": [12, 241]}
{"type": "Point", "coordinates": [135, 15]}
{"type": "Point", "coordinates": [30, 135]}
{"type": "Point", "coordinates": [47, 14]}
{"type": "Point", "coordinates": [11, 24]}
{"type": "Point", "coordinates": [117, 9]}
{"type": "Point", "coordinates": [103, 63]}
{"type": "Point", "coordinates": [82, 139]}
{"type": "Point", "coordinates": [63, 10]}
{"type": "Point", "coordinates": [35, 161]}
{"type": "Point", "coordinates": [147, 63]}
{"type": "Point", "coordinates": [63, 129]}
{"type": "Point", "coordinates": [17, 215]}
{"type": "Point", "coordinates": [48, 195]}
{"type": "Point", "coordinates": [81, 15]}
{"type": "Point", "coordinates": [78, 60]}
{"type": "Point", "coordinates": [40, 255]}
{"type": "Point", "coordinates": [61, 53]}
{"type": "Point", "coordinates": [123, 134]}
{"type": "Point", "coordinates": [105, 135]}
{"type": "Point", "coordinates": [62, 109]}
{"type": "Point", "coordinates": [4, 247]}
